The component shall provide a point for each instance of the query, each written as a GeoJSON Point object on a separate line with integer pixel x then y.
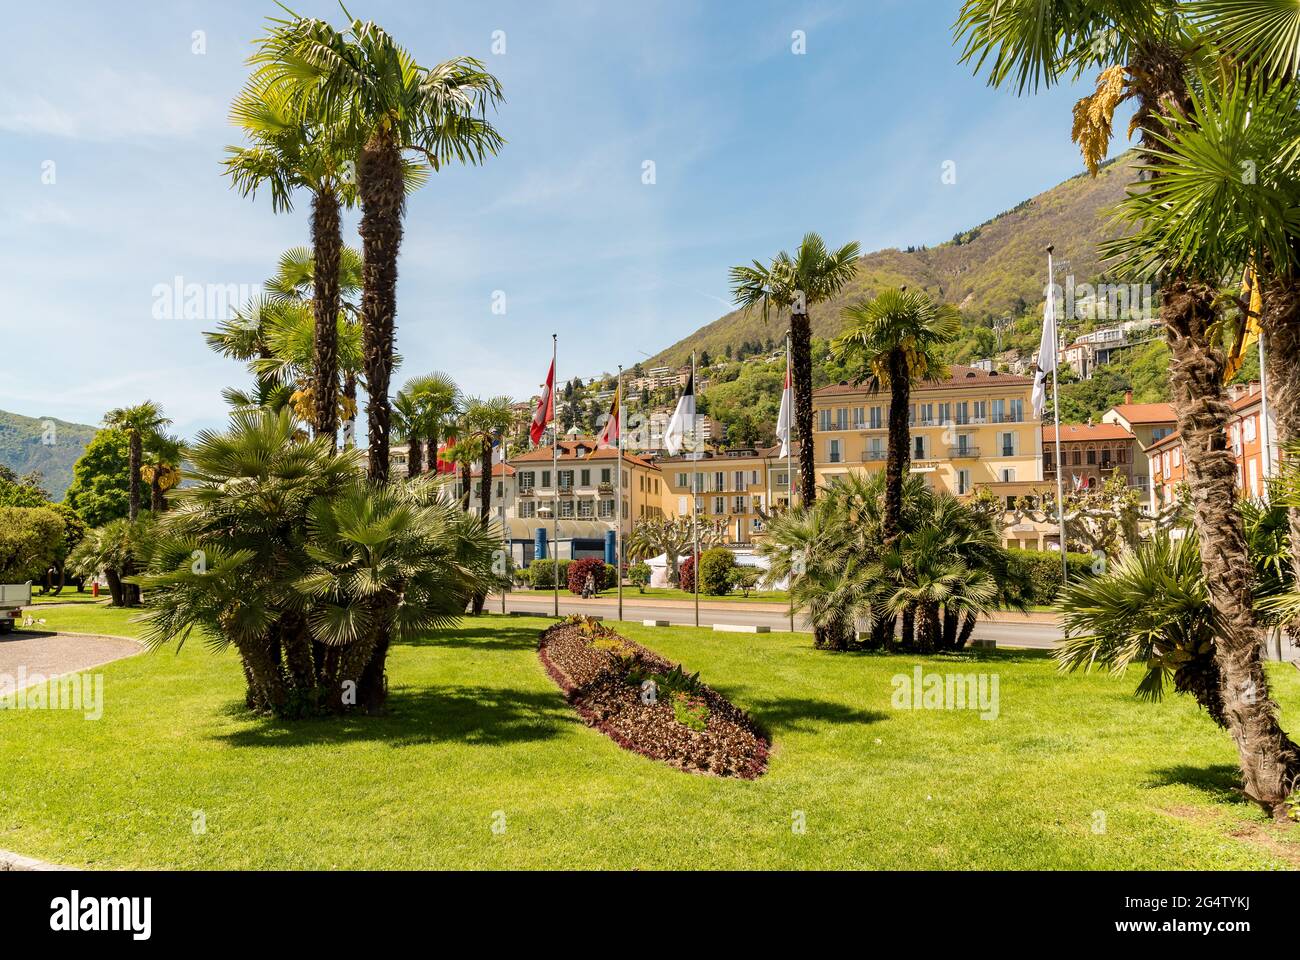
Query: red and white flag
{"type": "Point", "coordinates": [612, 431]}
{"type": "Point", "coordinates": [545, 408]}
{"type": "Point", "coordinates": [783, 418]}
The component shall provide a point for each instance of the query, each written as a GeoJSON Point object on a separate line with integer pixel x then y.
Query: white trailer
{"type": "Point", "coordinates": [13, 597]}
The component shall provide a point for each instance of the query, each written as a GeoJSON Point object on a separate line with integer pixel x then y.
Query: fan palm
{"type": "Point", "coordinates": [894, 342]}
{"type": "Point", "coordinates": [141, 421]}
{"type": "Point", "coordinates": [387, 108]}
{"type": "Point", "coordinates": [1150, 52]}
{"type": "Point", "coordinates": [796, 283]}
{"type": "Point", "coordinates": [162, 468]}
{"type": "Point", "coordinates": [425, 408]}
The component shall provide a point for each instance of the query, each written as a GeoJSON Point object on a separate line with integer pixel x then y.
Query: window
{"type": "Point", "coordinates": [780, 479]}
{"type": "Point", "coordinates": [918, 447]}
{"type": "Point", "coordinates": [1159, 433]}
{"type": "Point", "coordinates": [526, 480]}
{"type": "Point", "coordinates": [877, 449]}
{"type": "Point", "coordinates": [585, 508]}
{"type": "Point", "coordinates": [737, 504]}
{"type": "Point", "coordinates": [606, 509]}
{"type": "Point", "coordinates": [963, 482]}
{"type": "Point", "coordinates": [740, 480]}
{"type": "Point", "coordinates": [823, 419]}
{"type": "Point", "coordinates": [1007, 440]}
{"type": "Point", "coordinates": [1248, 429]}
{"type": "Point", "coordinates": [719, 505]}
{"type": "Point", "coordinates": [963, 412]}
{"type": "Point", "coordinates": [1254, 478]}
{"type": "Point", "coordinates": [566, 508]}
{"type": "Point", "coordinates": [841, 418]}
{"type": "Point", "coordinates": [527, 509]}
{"type": "Point", "coordinates": [945, 413]}
{"type": "Point", "coordinates": [1009, 476]}
{"type": "Point", "coordinates": [981, 411]}
{"type": "Point", "coordinates": [1076, 457]}
{"type": "Point", "coordinates": [833, 454]}
{"type": "Point", "coordinates": [719, 481]}
{"type": "Point", "coordinates": [605, 474]}
{"type": "Point", "coordinates": [566, 479]}
{"type": "Point", "coordinates": [1178, 456]}
{"type": "Point", "coordinates": [999, 411]}
{"type": "Point", "coordinates": [683, 479]}
{"type": "Point", "coordinates": [859, 418]}
{"type": "Point", "coordinates": [927, 414]}
{"type": "Point", "coordinates": [877, 420]}
{"type": "Point", "coordinates": [586, 478]}
{"type": "Point", "coordinates": [1092, 457]}
{"type": "Point", "coordinates": [1017, 410]}
{"type": "Point", "coordinates": [546, 478]}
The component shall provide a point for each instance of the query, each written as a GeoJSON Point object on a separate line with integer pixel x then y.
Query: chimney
{"type": "Point", "coordinates": [1128, 396]}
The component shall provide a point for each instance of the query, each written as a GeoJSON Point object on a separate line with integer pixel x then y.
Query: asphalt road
{"type": "Point", "coordinates": [1040, 636]}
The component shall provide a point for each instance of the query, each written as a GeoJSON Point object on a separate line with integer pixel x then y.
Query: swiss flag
{"type": "Point", "coordinates": [545, 408]}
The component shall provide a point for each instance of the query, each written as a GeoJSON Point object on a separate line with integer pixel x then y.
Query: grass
{"type": "Point", "coordinates": [478, 736]}
{"type": "Point", "coordinates": [671, 593]}
{"type": "Point", "coordinates": [69, 595]}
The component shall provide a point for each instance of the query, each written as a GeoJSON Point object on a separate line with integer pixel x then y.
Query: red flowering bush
{"type": "Point", "coordinates": [579, 569]}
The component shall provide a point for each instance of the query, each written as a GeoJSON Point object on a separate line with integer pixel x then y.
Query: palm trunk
{"type": "Point", "coordinates": [383, 200]}
{"type": "Point", "coordinates": [1270, 762]}
{"type": "Point", "coordinates": [414, 457]}
{"type": "Point", "coordinates": [466, 485]}
{"type": "Point", "coordinates": [908, 641]}
{"type": "Point", "coordinates": [1281, 323]}
{"type": "Point", "coordinates": [134, 457]}
{"type": "Point", "coordinates": [327, 246]}
{"type": "Point", "coordinates": [950, 620]}
{"type": "Point", "coordinates": [484, 508]}
{"type": "Point", "coordinates": [156, 502]}
{"type": "Point", "coordinates": [118, 597]}
{"type": "Point", "coordinates": [801, 364]}
{"type": "Point", "coordinates": [898, 456]}
{"type": "Point", "coordinates": [967, 625]}
{"type": "Point", "coordinates": [350, 395]}
{"type": "Point", "coordinates": [431, 451]}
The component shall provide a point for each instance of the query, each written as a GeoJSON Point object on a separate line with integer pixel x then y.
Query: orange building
{"type": "Point", "coordinates": [1168, 459]}
{"type": "Point", "coordinates": [1091, 453]}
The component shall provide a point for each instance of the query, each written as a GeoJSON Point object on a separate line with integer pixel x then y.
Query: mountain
{"type": "Point", "coordinates": [45, 444]}
{"type": "Point", "coordinates": [992, 271]}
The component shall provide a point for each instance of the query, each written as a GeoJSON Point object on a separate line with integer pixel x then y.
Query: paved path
{"type": "Point", "coordinates": [54, 654]}
{"type": "Point", "coordinates": [1039, 632]}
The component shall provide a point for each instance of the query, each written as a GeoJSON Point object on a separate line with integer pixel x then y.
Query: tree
{"type": "Point", "coordinates": [30, 541]}
{"type": "Point", "coordinates": [161, 469]}
{"type": "Point", "coordinates": [426, 407]}
{"type": "Point", "coordinates": [138, 422]}
{"type": "Point", "coordinates": [100, 489]}
{"type": "Point", "coordinates": [486, 421]}
{"type": "Point", "coordinates": [894, 342]}
{"type": "Point", "coordinates": [1149, 54]}
{"type": "Point", "coordinates": [674, 538]}
{"type": "Point", "coordinates": [386, 107]}
{"type": "Point", "coordinates": [118, 550]}
{"type": "Point", "coordinates": [23, 491]}
{"type": "Point", "coordinates": [813, 275]}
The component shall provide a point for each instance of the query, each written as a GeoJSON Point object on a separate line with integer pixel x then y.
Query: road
{"type": "Point", "coordinates": [1037, 635]}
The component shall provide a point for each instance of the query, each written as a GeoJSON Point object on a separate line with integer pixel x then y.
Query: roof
{"type": "Point", "coordinates": [569, 453]}
{"type": "Point", "coordinates": [962, 376]}
{"type": "Point", "coordinates": [498, 470]}
{"type": "Point", "coordinates": [1145, 412]}
{"type": "Point", "coordinates": [731, 456]}
{"type": "Point", "coordinates": [1082, 432]}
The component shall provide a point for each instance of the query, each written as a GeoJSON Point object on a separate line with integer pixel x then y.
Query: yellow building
{"type": "Point", "coordinates": [585, 484]}
{"type": "Point", "coordinates": [737, 486]}
{"type": "Point", "coordinates": [975, 429]}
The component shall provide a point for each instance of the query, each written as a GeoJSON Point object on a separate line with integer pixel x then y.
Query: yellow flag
{"type": "Point", "coordinates": [1248, 332]}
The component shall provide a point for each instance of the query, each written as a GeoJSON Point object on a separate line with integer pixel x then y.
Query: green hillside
{"type": "Point", "coordinates": [45, 444]}
{"type": "Point", "coordinates": [996, 270]}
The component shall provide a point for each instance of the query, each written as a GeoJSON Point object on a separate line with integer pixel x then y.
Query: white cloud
{"type": "Point", "coordinates": [107, 105]}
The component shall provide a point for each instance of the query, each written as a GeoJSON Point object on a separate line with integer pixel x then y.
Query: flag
{"type": "Point", "coordinates": [1046, 353]}
{"type": "Point", "coordinates": [612, 431]}
{"type": "Point", "coordinates": [545, 412]}
{"type": "Point", "coordinates": [683, 420]}
{"type": "Point", "coordinates": [1248, 332]}
{"type": "Point", "coordinates": [784, 416]}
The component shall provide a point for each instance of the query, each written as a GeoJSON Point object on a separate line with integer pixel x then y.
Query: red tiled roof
{"type": "Point", "coordinates": [961, 377]}
{"type": "Point", "coordinates": [1071, 432]}
{"type": "Point", "coordinates": [569, 453]}
{"type": "Point", "coordinates": [498, 470]}
{"type": "Point", "coordinates": [1146, 412]}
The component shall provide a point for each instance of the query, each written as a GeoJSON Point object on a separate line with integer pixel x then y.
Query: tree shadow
{"type": "Point", "coordinates": [802, 714]}
{"type": "Point", "coordinates": [479, 635]}
{"type": "Point", "coordinates": [475, 715]}
{"type": "Point", "coordinates": [1221, 781]}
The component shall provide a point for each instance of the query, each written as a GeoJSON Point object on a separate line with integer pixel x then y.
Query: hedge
{"type": "Point", "coordinates": [1035, 575]}
{"type": "Point", "coordinates": [716, 568]}
{"type": "Point", "coordinates": [540, 573]}
{"type": "Point", "coordinates": [31, 539]}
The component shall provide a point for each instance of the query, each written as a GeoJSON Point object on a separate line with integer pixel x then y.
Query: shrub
{"type": "Point", "coordinates": [639, 574]}
{"type": "Point", "coordinates": [691, 712]}
{"type": "Point", "coordinates": [579, 570]}
{"type": "Point", "coordinates": [1035, 575]}
{"type": "Point", "coordinates": [611, 575]}
{"type": "Point", "coordinates": [746, 579]}
{"type": "Point", "coordinates": [31, 539]}
{"type": "Point", "coordinates": [716, 568]}
{"type": "Point", "coordinates": [540, 573]}
{"type": "Point", "coordinates": [686, 575]}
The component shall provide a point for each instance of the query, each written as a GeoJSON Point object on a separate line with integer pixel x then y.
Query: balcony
{"type": "Point", "coordinates": [963, 453]}
{"type": "Point", "coordinates": [605, 487]}
{"type": "Point", "coordinates": [527, 492]}
{"type": "Point", "coordinates": [869, 456]}
{"type": "Point", "coordinates": [1007, 418]}
{"type": "Point", "coordinates": [566, 489]}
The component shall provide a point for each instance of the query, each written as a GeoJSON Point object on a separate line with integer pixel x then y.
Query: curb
{"type": "Point", "coordinates": [17, 862]}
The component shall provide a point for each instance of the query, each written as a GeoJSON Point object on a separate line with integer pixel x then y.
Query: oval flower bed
{"type": "Point", "coordinates": [645, 703]}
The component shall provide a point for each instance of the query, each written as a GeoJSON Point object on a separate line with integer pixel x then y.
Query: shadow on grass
{"type": "Point", "coordinates": [498, 634]}
{"type": "Point", "coordinates": [1222, 781]}
{"type": "Point", "coordinates": [801, 714]}
{"type": "Point", "coordinates": [477, 716]}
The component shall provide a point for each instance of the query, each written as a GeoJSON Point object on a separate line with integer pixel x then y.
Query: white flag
{"type": "Point", "coordinates": [784, 417]}
{"type": "Point", "coordinates": [683, 422]}
{"type": "Point", "coordinates": [1047, 348]}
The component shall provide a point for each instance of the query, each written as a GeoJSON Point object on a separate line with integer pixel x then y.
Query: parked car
{"type": "Point", "coordinates": [13, 597]}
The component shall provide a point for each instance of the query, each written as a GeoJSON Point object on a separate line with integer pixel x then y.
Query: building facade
{"type": "Point", "coordinates": [975, 429]}
{"type": "Point", "coordinates": [1091, 454]}
{"type": "Point", "coordinates": [739, 486]}
{"type": "Point", "coordinates": [1148, 422]}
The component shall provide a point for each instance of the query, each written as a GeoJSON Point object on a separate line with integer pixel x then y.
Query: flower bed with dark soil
{"type": "Point", "coordinates": [600, 673]}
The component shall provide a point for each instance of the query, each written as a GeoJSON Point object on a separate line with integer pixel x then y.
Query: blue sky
{"type": "Point", "coordinates": [752, 145]}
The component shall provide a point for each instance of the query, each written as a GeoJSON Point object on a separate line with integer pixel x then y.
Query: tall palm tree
{"type": "Point", "coordinates": [487, 420]}
{"type": "Point", "coordinates": [139, 422]}
{"type": "Point", "coordinates": [163, 455]}
{"type": "Point", "coordinates": [293, 148]}
{"type": "Point", "coordinates": [894, 342]}
{"type": "Point", "coordinates": [1149, 54]}
{"type": "Point", "coordinates": [386, 107]}
{"type": "Point", "coordinates": [796, 283]}
{"type": "Point", "coordinates": [425, 407]}
{"type": "Point", "coordinates": [463, 453]}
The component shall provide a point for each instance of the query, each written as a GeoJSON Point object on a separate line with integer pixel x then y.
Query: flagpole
{"type": "Point", "coordinates": [1265, 435]}
{"type": "Point", "coordinates": [789, 460]}
{"type": "Point", "coordinates": [695, 500]}
{"type": "Point", "coordinates": [1056, 414]}
{"type": "Point", "coordinates": [555, 472]}
{"type": "Point", "coordinates": [618, 500]}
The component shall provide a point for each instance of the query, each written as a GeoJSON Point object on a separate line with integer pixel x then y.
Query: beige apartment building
{"type": "Point", "coordinates": [975, 429]}
{"type": "Point", "coordinates": [738, 486]}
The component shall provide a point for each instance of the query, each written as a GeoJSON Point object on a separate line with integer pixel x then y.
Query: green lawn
{"type": "Point", "coordinates": [476, 727]}
{"type": "Point", "coordinates": [69, 595]}
{"type": "Point", "coordinates": [671, 593]}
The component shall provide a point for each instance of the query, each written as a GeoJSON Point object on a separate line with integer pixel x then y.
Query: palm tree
{"type": "Point", "coordinates": [463, 453]}
{"type": "Point", "coordinates": [1148, 53]}
{"type": "Point", "coordinates": [386, 108]}
{"type": "Point", "coordinates": [894, 342]}
{"type": "Point", "coordinates": [426, 407]}
{"type": "Point", "coordinates": [163, 455]}
{"type": "Point", "coordinates": [813, 275]}
{"type": "Point", "coordinates": [487, 421]}
{"type": "Point", "coordinates": [291, 148]}
{"type": "Point", "coordinates": [139, 422]}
